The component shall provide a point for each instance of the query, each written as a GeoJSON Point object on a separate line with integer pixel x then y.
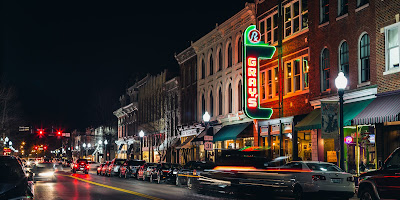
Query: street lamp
{"type": "Point", "coordinates": [341, 83]}
{"type": "Point", "coordinates": [105, 142]}
{"type": "Point", "coordinates": [100, 142]}
{"type": "Point", "coordinates": [84, 145]}
{"type": "Point", "coordinates": [10, 143]}
{"type": "Point", "coordinates": [141, 135]}
{"type": "Point", "coordinates": [89, 145]}
{"type": "Point", "coordinates": [206, 117]}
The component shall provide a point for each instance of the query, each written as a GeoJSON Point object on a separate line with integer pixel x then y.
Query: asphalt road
{"type": "Point", "coordinates": [91, 186]}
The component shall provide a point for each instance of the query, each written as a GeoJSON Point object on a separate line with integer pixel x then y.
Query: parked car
{"type": "Point", "coordinates": [14, 182]}
{"type": "Point", "coordinates": [99, 168]}
{"type": "Point", "coordinates": [144, 171]}
{"type": "Point", "coordinates": [383, 183]}
{"type": "Point", "coordinates": [315, 178]}
{"type": "Point", "coordinates": [164, 171]}
{"type": "Point", "coordinates": [81, 165]}
{"type": "Point", "coordinates": [104, 168]}
{"type": "Point", "coordinates": [93, 165]}
{"type": "Point", "coordinates": [130, 168]}
{"type": "Point", "coordinates": [190, 170]}
{"type": "Point", "coordinates": [44, 171]}
{"type": "Point", "coordinates": [113, 167]}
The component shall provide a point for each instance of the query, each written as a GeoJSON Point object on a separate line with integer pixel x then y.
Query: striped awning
{"type": "Point", "coordinates": [383, 109]}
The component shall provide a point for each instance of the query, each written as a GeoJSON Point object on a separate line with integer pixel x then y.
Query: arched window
{"type": "Point", "coordinates": [239, 50]}
{"type": "Point", "coordinates": [325, 70]}
{"type": "Point", "coordinates": [364, 58]}
{"type": "Point", "coordinates": [203, 105]}
{"type": "Point", "coordinates": [230, 98]}
{"type": "Point", "coordinates": [229, 55]}
{"type": "Point", "coordinates": [211, 64]}
{"type": "Point", "coordinates": [211, 104]}
{"type": "Point", "coordinates": [203, 69]}
{"type": "Point", "coordinates": [344, 59]}
{"type": "Point", "coordinates": [240, 96]}
{"type": "Point", "coordinates": [220, 63]}
{"type": "Point", "coordinates": [220, 102]}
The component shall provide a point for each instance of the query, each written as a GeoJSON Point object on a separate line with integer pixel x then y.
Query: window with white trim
{"type": "Point", "coordinates": [392, 47]}
{"type": "Point", "coordinates": [269, 28]}
{"type": "Point", "coordinates": [295, 17]}
{"type": "Point", "coordinates": [306, 69]}
{"type": "Point", "coordinates": [296, 75]}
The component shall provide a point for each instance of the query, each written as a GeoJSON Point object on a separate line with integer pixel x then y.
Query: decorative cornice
{"type": "Point", "coordinates": [185, 55]}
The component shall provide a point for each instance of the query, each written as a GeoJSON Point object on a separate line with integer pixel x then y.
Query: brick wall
{"type": "Point", "coordinates": [346, 28]}
{"type": "Point", "coordinates": [385, 16]}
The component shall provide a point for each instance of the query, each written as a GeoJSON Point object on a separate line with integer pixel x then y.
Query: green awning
{"type": "Point", "coordinates": [311, 121]}
{"type": "Point", "coordinates": [230, 132]}
{"type": "Point", "coordinates": [350, 110]}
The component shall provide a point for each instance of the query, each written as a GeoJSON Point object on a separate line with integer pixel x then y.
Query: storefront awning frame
{"type": "Point", "coordinates": [230, 132]}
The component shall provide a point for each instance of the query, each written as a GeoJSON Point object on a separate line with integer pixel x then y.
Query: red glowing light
{"type": "Point", "coordinates": [252, 93]}
{"type": "Point", "coordinates": [45, 147]}
{"type": "Point", "coordinates": [36, 147]}
{"type": "Point", "coordinates": [348, 139]}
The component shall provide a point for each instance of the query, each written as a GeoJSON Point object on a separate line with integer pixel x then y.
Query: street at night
{"type": "Point", "coordinates": [193, 100]}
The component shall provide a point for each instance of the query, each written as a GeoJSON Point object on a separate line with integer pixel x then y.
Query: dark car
{"type": "Point", "coordinates": [113, 167]}
{"type": "Point", "coordinates": [130, 168]}
{"type": "Point", "coordinates": [104, 168]}
{"type": "Point", "coordinates": [190, 170]}
{"type": "Point", "coordinates": [383, 183]}
{"type": "Point", "coordinates": [14, 183]}
{"type": "Point", "coordinates": [99, 168]}
{"type": "Point", "coordinates": [81, 165]}
{"type": "Point", "coordinates": [145, 170]}
{"type": "Point", "coordinates": [44, 171]}
{"type": "Point", "coordinates": [164, 171]}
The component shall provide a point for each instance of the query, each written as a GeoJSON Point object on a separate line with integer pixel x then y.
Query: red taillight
{"type": "Point", "coordinates": [87, 166]}
{"type": "Point", "coordinates": [166, 171]}
{"type": "Point", "coordinates": [318, 177]}
{"type": "Point", "coordinates": [76, 165]}
{"type": "Point", "coordinates": [82, 163]}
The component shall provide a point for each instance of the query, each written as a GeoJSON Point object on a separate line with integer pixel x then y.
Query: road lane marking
{"type": "Point", "coordinates": [187, 175]}
{"type": "Point", "coordinates": [115, 188]}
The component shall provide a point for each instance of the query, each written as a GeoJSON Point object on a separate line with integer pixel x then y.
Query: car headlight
{"type": "Point", "coordinates": [46, 174]}
{"type": "Point", "coordinates": [28, 163]}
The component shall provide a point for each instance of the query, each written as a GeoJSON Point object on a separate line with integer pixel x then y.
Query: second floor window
{"type": "Point", "coordinates": [295, 17]}
{"type": "Point", "coordinates": [392, 47]}
{"type": "Point", "coordinates": [230, 99]}
{"type": "Point", "coordinates": [211, 104]}
{"type": "Point", "coordinates": [344, 59]}
{"type": "Point", "coordinates": [269, 82]}
{"type": "Point", "coordinates": [325, 70]}
{"type": "Point", "coordinates": [229, 55]}
{"type": "Point", "coordinates": [342, 7]}
{"type": "Point", "coordinates": [220, 102]}
{"type": "Point", "coordinates": [211, 64]}
{"type": "Point", "coordinates": [240, 107]}
{"type": "Point", "coordinates": [306, 69]}
{"type": "Point", "coordinates": [362, 2]}
{"type": "Point", "coordinates": [220, 60]}
{"type": "Point", "coordinates": [364, 58]}
{"type": "Point", "coordinates": [203, 69]}
{"type": "Point", "coordinates": [324, 11]}
{"type": "Point", "coordinates": [263, 85]}
{"type": "Point", "coordinates": [239, 50]}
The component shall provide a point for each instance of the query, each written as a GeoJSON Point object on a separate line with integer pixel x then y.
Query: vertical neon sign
{"type": "Point", "coordinates": [253, 51]}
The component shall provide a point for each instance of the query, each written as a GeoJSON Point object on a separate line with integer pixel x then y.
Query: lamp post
{"type": "Point", "coordinates": [105, 147]}
{"type": "Point", "coordinates": [141, 135]}
{"type": "Point", "coordinates": [341, 83]}
{"type": "Point", "coordinates": [84, 148]}
{"type": "Point", "coordinates": [206, 119]}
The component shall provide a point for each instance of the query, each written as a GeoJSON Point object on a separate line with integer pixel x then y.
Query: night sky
{"type": "Point", "coordinates": [66, 59]}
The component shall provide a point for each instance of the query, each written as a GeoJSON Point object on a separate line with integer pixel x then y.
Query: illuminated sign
{"type": "Point", "coordinates": [348, 139]}
{"type": "Point", "coordinates": [254, 50]}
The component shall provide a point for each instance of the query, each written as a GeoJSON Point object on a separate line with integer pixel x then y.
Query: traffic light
{"type": "Point", "coordinates": [36, 147]}
{"type": "Point", "coordinates": [45, 147]}
{"type": "Point", "coordinates": [40, 132]}
{"type": "Point", "coordinates": [58, 133]}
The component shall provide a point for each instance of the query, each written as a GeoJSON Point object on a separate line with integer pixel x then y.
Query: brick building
{"type": "Point", "coordinates": [284, 84]}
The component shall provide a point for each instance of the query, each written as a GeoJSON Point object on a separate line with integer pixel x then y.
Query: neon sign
{"type": "Point", "coordinates": [253, 51]}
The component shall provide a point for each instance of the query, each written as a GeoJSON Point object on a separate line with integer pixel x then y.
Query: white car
{"type": "Point", "coordinates": [313, 177]}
